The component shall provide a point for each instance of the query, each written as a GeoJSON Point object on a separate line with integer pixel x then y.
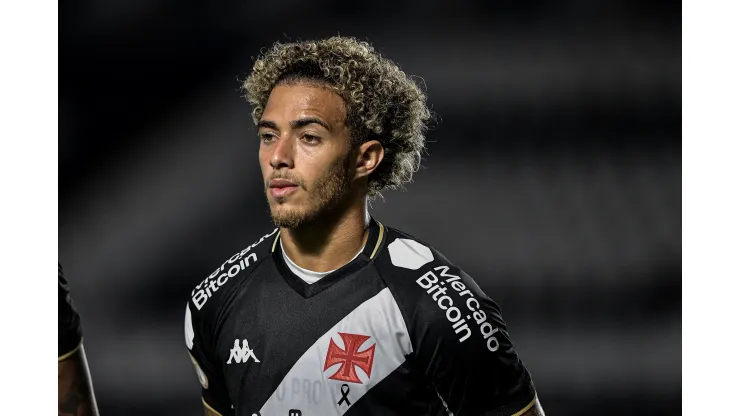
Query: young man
{"type": "Point", "coordinates": [334, 313]}
{"type": "Point", "coordinates": [75, 386]}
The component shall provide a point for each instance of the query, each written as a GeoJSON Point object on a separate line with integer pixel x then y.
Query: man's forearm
{"type": "Point", "coordinates": [75, 388]}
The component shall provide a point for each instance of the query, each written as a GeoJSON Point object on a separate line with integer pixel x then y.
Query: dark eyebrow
{"type": "Point", "coordinates": [268, 124]}
{"type": "Point", "coordinates": [295, 124]}
{"type": "Point", "coordinates": [303, 122]}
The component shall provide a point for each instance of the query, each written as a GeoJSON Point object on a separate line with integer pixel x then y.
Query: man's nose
{"type": "Point", "coordinates": [282, 153]}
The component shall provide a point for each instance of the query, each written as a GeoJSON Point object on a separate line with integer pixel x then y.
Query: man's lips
{"type": "Point", "coordinates": [282, 187]}
{"type": "Point", "coordinates": [282, 183]}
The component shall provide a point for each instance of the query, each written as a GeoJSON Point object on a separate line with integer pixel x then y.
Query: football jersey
{"type": "Point", "coordinates": [69, 331]}
{"type": "Point", "coordinates": [399, 330]}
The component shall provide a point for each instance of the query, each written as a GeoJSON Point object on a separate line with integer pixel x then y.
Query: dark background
{"type": "Point", "coordinates": [553, 178]}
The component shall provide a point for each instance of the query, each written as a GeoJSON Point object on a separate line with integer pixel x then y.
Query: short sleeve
{"type": "Point", "coordinates": [214, 393]}
{"type": "Point", "coordinates": [69, 330]}
{"type": "Point", "coordinates": [464, 348]}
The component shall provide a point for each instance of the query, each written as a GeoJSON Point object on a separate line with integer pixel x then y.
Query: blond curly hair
{"type": "Point", "coordinates": [382, 102]}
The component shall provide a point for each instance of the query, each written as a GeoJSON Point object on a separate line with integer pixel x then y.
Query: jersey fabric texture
{"type": "Point", "coordinates": [399, 330]}
{"type": "Point", "coordinates": [69, 332]}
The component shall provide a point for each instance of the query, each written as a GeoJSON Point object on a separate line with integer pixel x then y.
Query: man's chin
{"type": "Point", "coordinates": [284, 217]}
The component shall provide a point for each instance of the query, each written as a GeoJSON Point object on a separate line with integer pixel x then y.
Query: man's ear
{"type": "Point", "coordinates": [369, 156]}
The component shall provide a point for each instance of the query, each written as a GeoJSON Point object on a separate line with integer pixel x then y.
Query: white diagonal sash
{"type": "Point", "coordinates": [307, 386]}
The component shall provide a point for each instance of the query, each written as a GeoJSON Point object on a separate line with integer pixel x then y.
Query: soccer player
{"type": "Point", "coordinates": [333, 312]}
{"type": "Point", "coordinates": [75, 385]}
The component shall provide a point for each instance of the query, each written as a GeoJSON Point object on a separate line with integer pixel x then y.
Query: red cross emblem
{"type": "Point", "coordinates": [350, 358]}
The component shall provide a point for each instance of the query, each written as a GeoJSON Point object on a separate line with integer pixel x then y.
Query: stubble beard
{"type": "Point", "coordinates": [329, 191]}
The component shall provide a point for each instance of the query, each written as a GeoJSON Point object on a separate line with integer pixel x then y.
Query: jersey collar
{"type": "Point", "coordinates": [375, 241]}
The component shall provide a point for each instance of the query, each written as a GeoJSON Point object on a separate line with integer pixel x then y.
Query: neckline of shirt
{"type": "Point", "coordinates": [310, 276]}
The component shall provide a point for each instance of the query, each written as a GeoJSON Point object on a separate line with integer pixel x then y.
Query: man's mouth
{"type": "Point", "coordinates": [282, 187]}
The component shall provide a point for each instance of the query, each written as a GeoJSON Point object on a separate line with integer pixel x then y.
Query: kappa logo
{"type": "Point", "coordinates": [241, 354]}
{"type": "Point", "coordinates": [350, 357]}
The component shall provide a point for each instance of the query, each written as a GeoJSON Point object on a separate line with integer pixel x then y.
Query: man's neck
{"type": "Point", "coordinates": [328, 244]}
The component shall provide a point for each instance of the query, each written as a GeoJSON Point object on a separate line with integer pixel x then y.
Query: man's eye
{"type": "Point", "coordinates": [267, 137]}
{"type": "Point", "coordinates": [310, 139]}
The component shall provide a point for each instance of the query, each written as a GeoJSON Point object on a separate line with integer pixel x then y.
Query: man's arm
{"type": "Point", "coordinates": [209, 410]}
{"type": "Point", "coordinates": [535, 410]}
{"type": "Point", "coordinates": [464, 350]}
{"type": "Point", "coordinates": [76, 395]}
{"type": "Point", "coordinates": [214, 395]}
{"type": "Point", "coordinates": [75, 386]}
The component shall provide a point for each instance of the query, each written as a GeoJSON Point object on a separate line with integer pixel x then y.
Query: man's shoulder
{"type": "Point", "coordinates": [437, 296]}
{"type": "Point", "coordinates": [405, 261]}
{"type": "Point", "coordinates": [405, 255]}
{"type": "Point", "coordinates": [227, 276]}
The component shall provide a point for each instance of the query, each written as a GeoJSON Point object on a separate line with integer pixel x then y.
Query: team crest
{"type": "Point", "coordinates": [349, 358]}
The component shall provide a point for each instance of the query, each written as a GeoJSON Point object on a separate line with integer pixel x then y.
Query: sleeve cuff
{"type": "Point", "coordinates": [209, 407]}
{"type": "Point", "coordinates": [527, 407]}
{"type": "Point", "coordinates": [72, 352]}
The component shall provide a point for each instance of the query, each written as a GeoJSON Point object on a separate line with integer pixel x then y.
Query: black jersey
{"type": "Point", "coordinates": [69, 332]}
{"type": "Point", "coordinates": [398, 331]}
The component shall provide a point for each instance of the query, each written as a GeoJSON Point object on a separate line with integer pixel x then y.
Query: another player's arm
{"type": "Point", "coordinates": [75, 386]}
{"type": "Point", "coordinates": [76, 395]}
{"type": "Point", "coordinates": [535, 410]}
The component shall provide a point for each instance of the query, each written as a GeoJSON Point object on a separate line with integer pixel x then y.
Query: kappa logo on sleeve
{"type": "Point", "coordinates": [241, 354]}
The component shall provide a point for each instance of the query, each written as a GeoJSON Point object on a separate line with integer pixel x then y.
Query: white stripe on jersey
{"type": "Point", "coordinates": [307, 386]}
{"type": "Point", "coordinates": [189, 332]}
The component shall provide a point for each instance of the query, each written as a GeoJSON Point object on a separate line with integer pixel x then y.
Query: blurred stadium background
{"type": "Point", "coordinates": [553, 178]}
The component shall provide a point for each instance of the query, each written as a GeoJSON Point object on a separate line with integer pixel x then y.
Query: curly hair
{"type": "Point", "coordinates": [382, 102]}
